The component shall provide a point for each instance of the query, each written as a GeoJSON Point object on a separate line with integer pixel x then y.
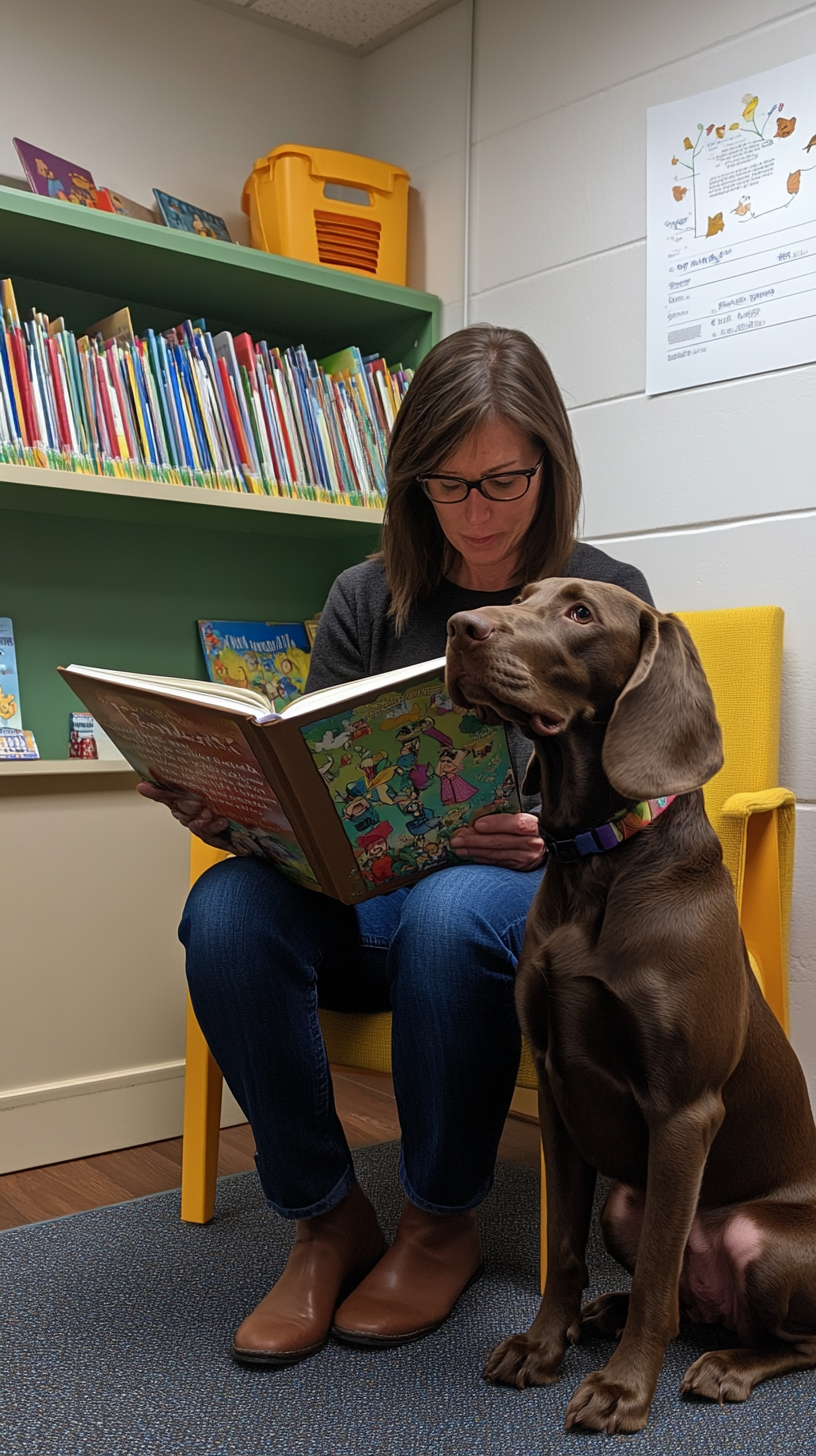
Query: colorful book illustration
{"type": "Point", "coordinates": [352, 790]}
{"type": "Point", "coordinates": [270, 657]}
{"type": "Point", "coordinates": [10, 715]}
{"type": "Point", "coordinates": [118, 326]}
{"type": "Point", "coordinates": [52, 176]}
{"type": "Point", "coordinates": [16, 743]}
{"type": "Point", "coordinates": [88, 739]}
{"type": "Point", "coordinates": [189, 219]}
{"type": "Point", "coordinates": [185, 408]}
{"type": "Point", "coordinates": [311, 624]}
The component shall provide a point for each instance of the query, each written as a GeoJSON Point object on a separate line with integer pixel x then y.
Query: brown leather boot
{"type": "Point", "coordinates": [416, 1284]}
{"type": "Point", "coordinates": [331, 1253]}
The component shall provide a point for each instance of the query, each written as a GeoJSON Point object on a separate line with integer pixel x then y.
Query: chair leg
{"type": "Point", "coordinates": [761, 910]}
{"type": "Point", "coordinates": [542, 1266]}
{"type": "Point", "coordinates": [202, 1124]}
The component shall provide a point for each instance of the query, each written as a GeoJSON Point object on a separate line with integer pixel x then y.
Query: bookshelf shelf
{"type": "Point", "coordinates": [25, 488]}
{"type": "Point", "coordinates": [70, 768]}
{"type": "Point", "coordinates": [116, 572]}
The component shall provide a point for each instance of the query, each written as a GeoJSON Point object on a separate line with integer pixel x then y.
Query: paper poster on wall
{"type": "Point", "coordinates": [731, 230]}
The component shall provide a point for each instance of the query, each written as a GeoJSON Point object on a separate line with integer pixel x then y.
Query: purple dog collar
{"type": "Point", "coordinates": [621, 826]}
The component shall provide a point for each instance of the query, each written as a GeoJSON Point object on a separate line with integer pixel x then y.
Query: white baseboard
{"type": "Point", "coordinates": [75, 1119]}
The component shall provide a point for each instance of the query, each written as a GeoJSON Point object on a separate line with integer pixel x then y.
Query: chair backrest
{"type": "Point", "coordinates": [741, 652]}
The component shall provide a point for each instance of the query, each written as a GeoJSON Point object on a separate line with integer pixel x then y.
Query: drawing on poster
{"type": "Point", "coordinates": [731, 232]}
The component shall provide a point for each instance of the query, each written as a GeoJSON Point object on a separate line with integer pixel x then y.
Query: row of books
{"type": "Point", "coordinates": [184, 407]}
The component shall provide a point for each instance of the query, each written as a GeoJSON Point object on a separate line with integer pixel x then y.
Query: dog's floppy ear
{"type": "Point", "coordinates": [532, 776]}
{"type": "Point", "coordinates": [663, 736]}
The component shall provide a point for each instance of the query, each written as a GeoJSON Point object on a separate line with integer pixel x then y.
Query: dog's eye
{"type": "Point", "coordinates": [580, 613]}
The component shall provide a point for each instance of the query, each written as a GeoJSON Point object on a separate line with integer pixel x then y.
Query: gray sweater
{"type": "Point", "coordinates": [356, 637]}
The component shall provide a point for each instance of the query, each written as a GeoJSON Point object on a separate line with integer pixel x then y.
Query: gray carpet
{"type": "Point", "coordinates": [116, 1327]}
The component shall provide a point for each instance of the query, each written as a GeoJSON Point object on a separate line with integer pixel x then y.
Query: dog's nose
{"type": "Point", "coordinates": [468, 628]}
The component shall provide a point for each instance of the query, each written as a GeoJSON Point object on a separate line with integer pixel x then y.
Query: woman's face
{"type": "Point", "coordinates": [488, 534]}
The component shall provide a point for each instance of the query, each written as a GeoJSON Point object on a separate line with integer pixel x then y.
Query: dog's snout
{"type": "Point", "coordinates": [468, 628]}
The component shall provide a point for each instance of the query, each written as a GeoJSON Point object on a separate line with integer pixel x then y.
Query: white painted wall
{"type": "Point", "coordinates": [710, 491]}
{"type": "Point", "coordinates": [165, 93]}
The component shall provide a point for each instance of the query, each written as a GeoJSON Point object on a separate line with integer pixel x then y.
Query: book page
{"type": "Point", "coordinates": [184, 746]}
{"type": "Point", "coordinates": [404, 770]}
{"type": "Point", "coordinates": [731, 230]}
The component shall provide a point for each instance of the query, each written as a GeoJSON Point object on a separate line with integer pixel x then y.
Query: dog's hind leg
{"type": "Point", "coordinates": [604, 1318]}
{"type": "Point", "coordinates": [732, 1374]}
{"type": "Point", "coordinates": [771, 1249]}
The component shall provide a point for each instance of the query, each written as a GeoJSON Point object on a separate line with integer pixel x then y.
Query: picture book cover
{"type": "Point", "coordinates": [125, 207]}
{"type": "Point", "coordinates": [10, 716]}
{"type": "Point", "coordinates": [189, 219]}
{"type": "Point", "coordinates": [16, 743]}
{"type": "Point", "coordinates": [52, 176]}
{"type": "Point", "coordinates": [271, 657]}
{"type": "Point", "coordinates": [88, 739]}
{"type": "Point", "coordinates": [405, 771]}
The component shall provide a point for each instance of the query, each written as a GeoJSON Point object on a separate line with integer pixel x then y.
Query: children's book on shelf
{"type": "Point", "coordinates": [10, 715]}
{"type": "Point", "coordinates": [15, 742]}
{"type": "Point", "coordinates": [187, 218]}
{"type": "Point", "coordinates": [352, 790]}
{"type": "Point", "coordinates": [125, 207]}
{"type": "Point", "coordinates": [311, 625]}
{"type": "Point", "coordinates": [270, 657]}
{"type": "Point", "coordinates": [184, 407]}
{"type": "Point", "coordinates": [52, 176]}
{"type": "Point", "coordinates": [88, 739]}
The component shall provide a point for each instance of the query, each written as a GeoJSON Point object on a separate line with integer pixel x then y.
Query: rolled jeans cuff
{"type": "Point", "coordinates": [324, 1205]}
{"type": "Point", "coordinates": [445, 1210]}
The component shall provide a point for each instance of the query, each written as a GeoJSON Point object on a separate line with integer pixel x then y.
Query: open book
{"type": "Point", "coordinates": [352, 790]}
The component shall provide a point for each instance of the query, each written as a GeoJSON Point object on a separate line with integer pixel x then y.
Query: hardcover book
{"type": "Point", "coordinates": [53, 176]}
{"type": "Point", "coordinates": [352, 790]}
{"type": "Point", "coordinates": [189, 219]}
{"type": "Point", "coordinates": [270, 657]}
{"type": "Point", "coordinates": [10, 716]}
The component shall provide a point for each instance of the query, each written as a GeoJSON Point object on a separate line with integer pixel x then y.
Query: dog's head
{"type": "Point", "coordinates": [572, 652]}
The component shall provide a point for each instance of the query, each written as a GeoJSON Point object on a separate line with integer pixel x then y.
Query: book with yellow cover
{"type": "Point", "coordinates": [352, 790]}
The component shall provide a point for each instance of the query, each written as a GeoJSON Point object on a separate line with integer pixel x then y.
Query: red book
{"type": "Point", "coordinates": [59, 396]}
{"type": "Point", "coordinates": [245, 352]}
{"type": "Point", "coordinates": [29, 420]}
{"type": "Point", "coordinates": [235, 416]}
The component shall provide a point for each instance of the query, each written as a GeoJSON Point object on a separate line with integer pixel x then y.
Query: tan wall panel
{"type": "Point", "coordinates": [92, 882]}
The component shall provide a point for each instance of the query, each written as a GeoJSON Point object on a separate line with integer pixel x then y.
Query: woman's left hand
{"type": "Point", "coordinates": [509, 840]}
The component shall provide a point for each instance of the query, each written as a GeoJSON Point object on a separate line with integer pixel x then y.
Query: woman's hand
{"type": "Point", "coordinates": [192, 813]}
{"type": "Point", "coordinates": [509, 840]}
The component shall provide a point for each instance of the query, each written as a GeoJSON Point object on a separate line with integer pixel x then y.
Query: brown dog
{"type": "Point", "coordinates": [659, 1062]}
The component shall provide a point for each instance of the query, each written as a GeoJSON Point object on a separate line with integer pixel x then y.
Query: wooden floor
{"type": "Point", "coordinates": [365, 1102]}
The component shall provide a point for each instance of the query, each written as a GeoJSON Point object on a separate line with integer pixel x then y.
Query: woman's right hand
{"type": "Point", "coordinates": [192, 813]}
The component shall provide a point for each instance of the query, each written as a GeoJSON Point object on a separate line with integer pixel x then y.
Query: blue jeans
{"type": "Point", "coordinates": [262, 954]}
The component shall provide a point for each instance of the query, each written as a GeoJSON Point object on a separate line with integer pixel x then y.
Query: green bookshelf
{"type": "Point", "coordinates": [115, 573]}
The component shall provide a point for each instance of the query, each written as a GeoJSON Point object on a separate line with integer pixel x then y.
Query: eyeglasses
{"type": "Point", "coordinates": [508, 486]}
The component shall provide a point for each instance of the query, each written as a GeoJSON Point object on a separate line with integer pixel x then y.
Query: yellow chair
{"type": "Point", "coordinates": [741, 651]}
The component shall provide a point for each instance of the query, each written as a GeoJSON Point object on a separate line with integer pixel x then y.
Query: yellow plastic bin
{"type": "Point", "coordinates": [290, 214]}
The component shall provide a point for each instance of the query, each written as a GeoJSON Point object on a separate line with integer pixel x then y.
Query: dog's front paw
{"type": "Point", "coordinates": [602, 1403]}
{"type": "Point", "coordinates": [605, 1317]}
{"type": "Point", "coordinates": [523, 1360]}
{"type": "Point", "coordinates": [716, 1376]}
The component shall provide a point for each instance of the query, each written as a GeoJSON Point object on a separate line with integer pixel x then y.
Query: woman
{"type": "Point", "coordinates": [483, 496]}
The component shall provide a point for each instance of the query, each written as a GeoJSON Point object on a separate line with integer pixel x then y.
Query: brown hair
{"type": "Point", "coordinates": [471, 377]}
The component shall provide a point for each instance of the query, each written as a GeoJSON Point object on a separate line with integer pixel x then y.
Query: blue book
{"type": "Point", "coordinates": [270, 657]}
{"type": "Point", "coordinates": [10, 716]}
